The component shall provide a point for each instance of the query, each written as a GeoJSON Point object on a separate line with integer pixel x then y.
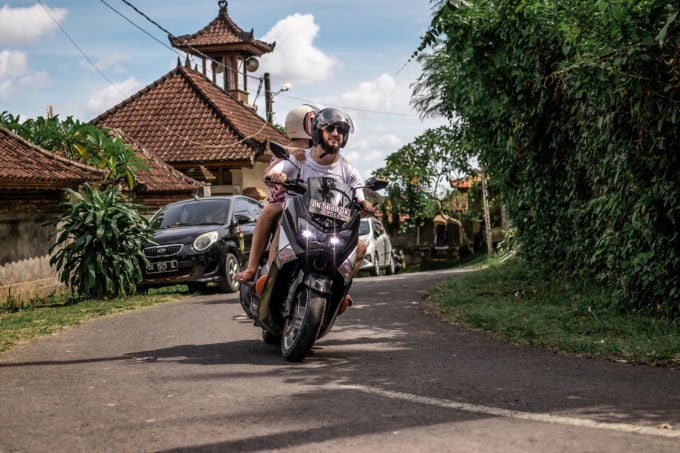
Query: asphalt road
{"type": "Point", "coordinates": [194, 375]}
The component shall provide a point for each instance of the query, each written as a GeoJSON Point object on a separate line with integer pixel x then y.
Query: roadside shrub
{"type": "Point", "coordinates": [98, 250]}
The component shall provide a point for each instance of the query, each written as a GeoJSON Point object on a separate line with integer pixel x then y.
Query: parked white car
{"type": "Point", "coordinates": [379, 252]}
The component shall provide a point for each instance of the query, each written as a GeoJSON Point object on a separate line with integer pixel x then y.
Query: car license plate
{"type": "Point", "coordinates": [330, 210]}
{"type": "Point", "coordinates": [162, 266]}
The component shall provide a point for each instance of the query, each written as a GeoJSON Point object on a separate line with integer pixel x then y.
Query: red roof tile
{"type": "Point", "coordinates": [463, 183]}
{"type": "Point", "coordinates": [24, 165]}
{"type": "Point", "coordinates": [219, 35]}
{"type": "Point", "coordinates": [160, 177]}
{"type": "Point", "coordinates": [185, 118]}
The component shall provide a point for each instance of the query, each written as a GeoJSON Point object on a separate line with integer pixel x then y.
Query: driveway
{"type": "Point", "coordinates": [194, 375]}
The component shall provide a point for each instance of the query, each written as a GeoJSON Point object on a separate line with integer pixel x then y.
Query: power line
{"type": "Point", "coordinates": [144, 15]}
{"type": "Point", "coordinates": [170, 35]}
{"type": "Point", "coordinates": [47, 11]}
{"type": "Point", "coordinates": [185, 138]}
{"type": "Point", "coordinates": [140, 28]}
{"type": "Point", "coordinates": [307, 101]}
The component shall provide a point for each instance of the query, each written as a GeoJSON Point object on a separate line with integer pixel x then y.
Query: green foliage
{"type": "Point", "coordinates": [574, 107]}
{"type": "Point", "coordinates": [80, 141]}
{"type": "Point", "coordinates": [419, 174]}
{"type": "Point", "coordinates": [98, 243]}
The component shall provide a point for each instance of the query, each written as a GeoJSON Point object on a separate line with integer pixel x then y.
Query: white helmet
{"type": "Point", "coordinates": [298, 121]}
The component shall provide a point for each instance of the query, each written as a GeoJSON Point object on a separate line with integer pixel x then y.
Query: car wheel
{"type": "Point", "coordinates": [231, 268]}
{"type": "Point", "coordinates": [375, 270]}
{"type": "Point", "coordinates": [391, 269]}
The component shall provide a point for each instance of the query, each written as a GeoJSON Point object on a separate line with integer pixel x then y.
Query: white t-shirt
{"type": "Point", "coordinates": [341, 170]}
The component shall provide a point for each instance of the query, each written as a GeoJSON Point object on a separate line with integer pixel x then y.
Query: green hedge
{"type": "Point", "coordinates": [575, 108]}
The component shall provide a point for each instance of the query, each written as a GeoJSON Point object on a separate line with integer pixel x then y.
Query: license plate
{"type": "Point", "coordinates": [330, 210]}
{"type": "Point", "coordinates": [161, 266]}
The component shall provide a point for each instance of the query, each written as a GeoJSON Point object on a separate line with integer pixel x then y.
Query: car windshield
{"type": "Point", "coordinates": [199, 212]}
{"type": "Point", "coordinates": [364, 228]}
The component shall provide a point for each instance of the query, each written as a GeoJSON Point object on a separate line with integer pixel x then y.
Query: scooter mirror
{"type": "Point", "coordinates": [278, 150]}
{"type": "Point", "coordinates": [374, 183]}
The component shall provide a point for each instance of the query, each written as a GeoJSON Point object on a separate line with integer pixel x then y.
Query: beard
{"type": "Point", "coordinates": [328, 148]}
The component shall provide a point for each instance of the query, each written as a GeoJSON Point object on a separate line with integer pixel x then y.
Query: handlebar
{"type": "Point", "coordinates": [294, 185]}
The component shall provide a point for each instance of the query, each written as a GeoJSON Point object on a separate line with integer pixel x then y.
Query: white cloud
{"type": "Point", "coordinates": [5, 86]}
{"type": "Point", "coordinates": [28, 24]}
{"type": "Point", "coordinates": [111, 95]}
{"type": "Point", "coordinates": [383, 119]}
{"type": "Point", "coordinates": [113, 63]}
{"type": "Point", "coordinates": [12, 65]}
{"type": "Point", "coordinates": [295, 59]}
{"type": "Point", "coordinates": [372, 95]}
{"type": "Point", "coordinates": [36, 80]}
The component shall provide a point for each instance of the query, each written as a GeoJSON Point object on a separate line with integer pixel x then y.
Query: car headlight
{"type": "Point", "coordinates": [204, 241]}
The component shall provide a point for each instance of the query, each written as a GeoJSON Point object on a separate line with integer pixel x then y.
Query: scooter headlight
{"type": "Point", "coordinates": [312, 235]}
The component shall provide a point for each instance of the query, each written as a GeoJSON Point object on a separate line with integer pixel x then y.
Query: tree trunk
{"type": "Point", "coordinates": [487, 216]}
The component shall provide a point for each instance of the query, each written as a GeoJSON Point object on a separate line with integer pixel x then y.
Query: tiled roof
{"type": "Point", "coordinates": [24, 165]}
{"type": "Point", "coordinates": [463, 183]}
{"type": "Point", "coordinates": [160, 177]}
{"type": "Point", "coordinates": [219, 35]}
{"type": "Point", "coordinates": [185, 118]}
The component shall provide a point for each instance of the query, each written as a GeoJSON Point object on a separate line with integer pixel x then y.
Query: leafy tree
{"type": "Point", "coordinates": [574, 107]}
{"type": "Point", "coordinates": [419, 175]}
{"type": "Point", "coordinates": [98, 247]}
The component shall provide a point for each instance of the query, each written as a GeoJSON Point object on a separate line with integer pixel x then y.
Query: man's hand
{"type": "Point", "coordinates": [366, 206]}
{"type": "Point", "coordinates": [298, 153]}
{"type": "Point", "coordinates": [273, 177]}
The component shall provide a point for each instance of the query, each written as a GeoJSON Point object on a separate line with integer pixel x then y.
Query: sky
{"type": "Point", "coordinates": [83, 57]}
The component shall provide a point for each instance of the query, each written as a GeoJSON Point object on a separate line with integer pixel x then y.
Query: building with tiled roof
{"type": "Point", "coordinates": [32, 180]}
{"type": "Point", "coordinates": [225, 47]}
{"type": "Point", "coordinates": [201, 129]}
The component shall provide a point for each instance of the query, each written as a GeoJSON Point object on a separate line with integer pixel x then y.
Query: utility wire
{"type": "Point", "coordinates": [116, 87]}
{"type": "Point", "coordinates": [75, 44]}
{"type": "Point", "coordinates": [141, 13]}
{"type": "Point", "coordinates": [307, 101]}
{"type": "Point", "coordinates": [141, 29]}
{"type": "Point", "coordinates": [170, 35]}
{"type": "Point", "coordinates": [185, 138]}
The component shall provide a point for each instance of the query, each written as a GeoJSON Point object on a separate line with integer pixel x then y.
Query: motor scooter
{"type": "Point", "coordinates": [313, 269]}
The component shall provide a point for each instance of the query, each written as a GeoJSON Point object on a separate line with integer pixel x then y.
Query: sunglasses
{"type": "Point", "coordinates": [342, 130]}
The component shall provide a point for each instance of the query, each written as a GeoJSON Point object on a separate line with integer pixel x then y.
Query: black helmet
{"type": "Point", "coordinates": [325, 118]}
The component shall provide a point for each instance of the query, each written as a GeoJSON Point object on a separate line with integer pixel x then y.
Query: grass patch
{"type": "Point", "coordinates": [48, 316]}
{"type": "Point", "coordinates": [512, 304]}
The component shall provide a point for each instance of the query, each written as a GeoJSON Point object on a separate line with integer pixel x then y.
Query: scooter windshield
{"type": "Point", "coordinates": [330, 198]}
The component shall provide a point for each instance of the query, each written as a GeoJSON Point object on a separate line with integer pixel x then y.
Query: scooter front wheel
{"type": "Point", "coordinates": [302, 327]}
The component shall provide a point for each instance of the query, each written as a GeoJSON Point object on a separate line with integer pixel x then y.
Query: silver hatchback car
{"type": "Point", "coordinates": [378, 256]}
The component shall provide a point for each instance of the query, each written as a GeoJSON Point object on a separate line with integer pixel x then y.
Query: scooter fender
{"type": "Point", "coordinates": [319, 283]}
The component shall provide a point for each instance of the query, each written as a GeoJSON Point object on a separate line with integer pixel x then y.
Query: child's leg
{"type": "Point", "coordinates": [260, 236]}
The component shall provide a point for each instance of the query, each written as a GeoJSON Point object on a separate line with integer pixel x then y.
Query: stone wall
{"type": "Point", "coordinates": [25, 241]}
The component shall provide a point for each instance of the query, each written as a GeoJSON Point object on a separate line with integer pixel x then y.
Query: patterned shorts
{"type": "Point", "coordinates": [277, 194]}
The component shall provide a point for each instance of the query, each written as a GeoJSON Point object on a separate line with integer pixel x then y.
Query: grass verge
{"type": "Point", "coordinates": [509, 302]}
{"type": "Point", "coordinates": [41, 319]}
